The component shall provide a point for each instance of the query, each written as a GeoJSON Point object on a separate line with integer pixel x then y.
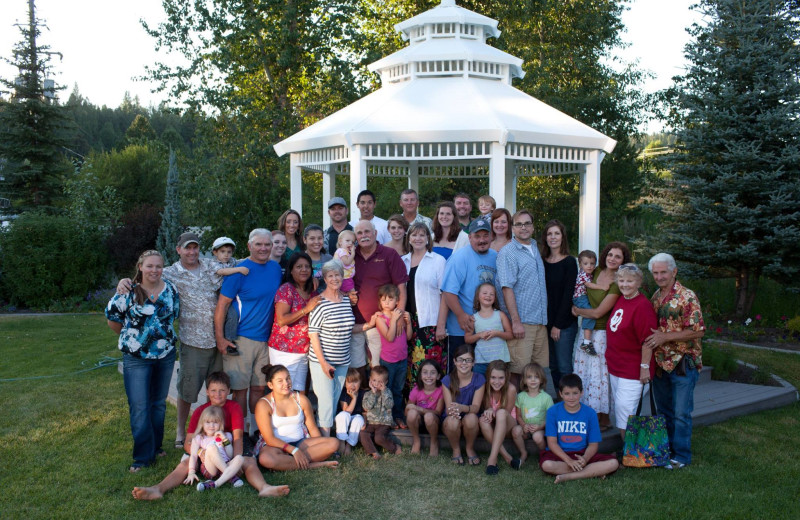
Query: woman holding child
{"type": "Point", "coordinates": [423, 302]}
{"type": "Point", "coordinates": [560, 272]}
{"type": "Point", "coordinates": [143, 319]}
{"type": "Point", "coordinates": [630, 361]}
{"type": "Point", "coordinates": [294, 301]}
{"type": "Point", "coordinates": [592, 369]}
{"type": "Point", "coordinates": [288, 436]}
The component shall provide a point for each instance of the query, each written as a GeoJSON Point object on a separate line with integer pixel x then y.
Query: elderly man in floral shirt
{"type": "Point", "coordinates": [678, 354]}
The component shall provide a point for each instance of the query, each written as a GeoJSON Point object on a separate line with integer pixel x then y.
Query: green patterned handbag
{"type": "Point", "coordinates": [646, 441]}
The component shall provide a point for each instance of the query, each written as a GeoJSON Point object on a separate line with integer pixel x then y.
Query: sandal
{"type": "Point", "coordinates": [135, 469]}
{"type": "Point", "coordinates": [474, 460]}
{"type": "Point", "coordinates": [401, 424]}
{"type": "Point", "coordinates": [458, 460]}
{"type": "Point", "coordinates": [492, 470]}
{"type": "Point", "coordinates": [179, 444]}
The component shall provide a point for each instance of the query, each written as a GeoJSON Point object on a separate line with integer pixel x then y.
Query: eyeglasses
{"type": "Point", "coordinates": [464, 361]}
{"type": "Point", "coordinates": [523, 224]}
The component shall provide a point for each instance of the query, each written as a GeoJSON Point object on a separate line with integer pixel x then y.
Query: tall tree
{"type": "Point", "coordinates": [31, 126]}
{"type": "Point", "coordinates": [171, 227]}
{"type": "Point", "coordinates": [733, 201]}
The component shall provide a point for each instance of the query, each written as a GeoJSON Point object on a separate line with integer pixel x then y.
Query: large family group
{"type": "Point", "coordinates": [459, 325]}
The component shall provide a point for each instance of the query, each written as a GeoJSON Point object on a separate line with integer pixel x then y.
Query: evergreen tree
{"type": "Point", "coordinates": [31, 127]}
{"type": "Point", "coordinates": [170, 228]}
{"type": "Point", "coordinates": [733, 201]}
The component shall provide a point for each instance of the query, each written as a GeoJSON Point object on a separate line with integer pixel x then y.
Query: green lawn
{"type": "Point", "coordinates": [65, 448]}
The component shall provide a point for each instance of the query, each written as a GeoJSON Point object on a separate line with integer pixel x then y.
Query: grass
{"type": "Point", "coordinates": [65, 448]}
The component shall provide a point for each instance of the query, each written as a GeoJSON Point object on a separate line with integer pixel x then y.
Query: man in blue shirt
{"type": "Point", "coordinates": [465, 270]}
{"type": "Point", "coordinates": [254, 297]}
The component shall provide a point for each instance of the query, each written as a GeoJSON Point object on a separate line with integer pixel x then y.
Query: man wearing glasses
{"type": "Point", "coordinates": [523, 296]}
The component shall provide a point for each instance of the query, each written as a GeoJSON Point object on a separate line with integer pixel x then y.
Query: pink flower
{"type": "Point", "coordinates": [758, 317]}
{"type": "Point", "coordinates": [784, 317]}
{"type": "Point", "coordinates": [719, 330]}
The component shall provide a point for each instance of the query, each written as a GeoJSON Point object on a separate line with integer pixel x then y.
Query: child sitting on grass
{"type": "Point", "coordinates": [377, 405]}
{"type": "Point", "coordinates": [573, 436]}
{"type": "Point", "coordinates": [212, 445]}
{"type": "Point", "coordinates": [350, 420]}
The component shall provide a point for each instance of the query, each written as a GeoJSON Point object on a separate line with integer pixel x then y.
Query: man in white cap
{"type": "Point", "coordinates": [337, 210]}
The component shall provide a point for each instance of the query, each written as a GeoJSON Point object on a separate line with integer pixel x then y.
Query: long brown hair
{"type": "Point", "coordinates": [298, 235]}
{"type": "Point", "coordinates": [438, 230]}
{"type": "Point", "coordinates": [139, 294]}
{"type": "Point", "coordinates": [464, 348]}
{"type": "Point", "coordinates": [543, 247]}
{"type": "Point", "coordinates": [487, 393]}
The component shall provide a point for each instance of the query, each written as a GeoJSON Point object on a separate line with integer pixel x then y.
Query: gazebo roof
{"type": "Point", "coordinates": [448, 12]}
{"type": "Point", "coordinates": [449, 109]}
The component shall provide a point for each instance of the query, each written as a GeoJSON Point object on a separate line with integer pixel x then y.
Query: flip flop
{"type": "Point", "coordinates": [401, 424]}
{"type": "Point", "coordinates": [179, 444]}
{"type": "Point", "coordinates": [492, 470]}
{"type": "Point", "coordinates": [474, 460]}
{"type": "Point", "coordinates": [458, 460]}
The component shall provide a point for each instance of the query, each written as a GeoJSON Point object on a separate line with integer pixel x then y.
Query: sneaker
{"type": "Point", "coordinates": [589, 348]}
{"type": "Point", "coordinates": [208, 484]}
{"type": "Point", "coordinates": [675, 464]}
{"type": "Point", "coordinates": [237, 482]}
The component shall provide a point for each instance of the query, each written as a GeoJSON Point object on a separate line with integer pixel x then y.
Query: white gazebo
{"type": "Point", "coordinates": [446, 109]}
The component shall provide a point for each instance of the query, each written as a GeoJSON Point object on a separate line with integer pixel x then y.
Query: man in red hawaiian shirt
{"type": "Point", "coordinates": [678, 354]}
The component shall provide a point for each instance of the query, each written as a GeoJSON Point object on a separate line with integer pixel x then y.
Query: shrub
{"type": "Point", "coordinates": [722, 360]}
{"type": "Point", "coordinates": [793, 325]}
{"type": "Point", "coordinates": [48, 258]}
{"type": "Point", "coordinates": [136, 234]}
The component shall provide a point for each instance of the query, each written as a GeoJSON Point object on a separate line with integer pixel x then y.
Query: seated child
{"type": "Point", "coordinates": [499, 415]}
{"type": "Point", "coordinates": [346, 255]}
{"type": "Point", "coordinates": [350, 421]}
{"type": "Point", "coordinates": [532, 405]}
{"type": "Point", "coordinates": [377, 404]}
{"type": "Point", "coordinates": [425, 405]}
{"type": "Point", "coordinates": [588, 261]}
{"type": "Point", "coordinates": [225, 265]}
{"type": "Point", "coordinates": [573, 436]}
{"type": "Point", "coordinates": [212, 444]}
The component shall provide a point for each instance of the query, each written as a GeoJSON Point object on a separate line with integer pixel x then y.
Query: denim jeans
{"type": "Point", "coordinates": [674, 397]}
{"type": "Point", "coordinates": [146, 385]}
{"type": "Point", "coordinates": [327, 390]}
{"type": "Point", "coordinates": [395, 383]}
{"type": "Point", "coordinates": [561, 353]}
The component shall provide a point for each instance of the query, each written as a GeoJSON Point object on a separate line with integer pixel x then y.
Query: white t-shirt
{"type": "Point", "coordinates": [381, 226]}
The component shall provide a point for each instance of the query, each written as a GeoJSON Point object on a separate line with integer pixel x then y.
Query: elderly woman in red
{"type": "Point", "coordinates": [294, 301]}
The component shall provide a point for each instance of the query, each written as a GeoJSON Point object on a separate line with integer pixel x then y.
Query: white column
{"type": "Point", "coordinates": [589, 211]}
{"type": "Point", "coordinates": [358, 179]}
{"type": "Point", "coordinates": [295, 184]}
{"type": "Point", "coordinates": [413, 175]}
{"type": "Point", "coordinates": [497, 175]}
{"type": "Point", "coordinates": [328, 192]}
{"type": "Point", "coordinates": [511, 188]}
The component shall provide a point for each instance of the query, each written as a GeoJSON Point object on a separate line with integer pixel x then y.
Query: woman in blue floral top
{"type": "Point", "coordinates": [143, 319]}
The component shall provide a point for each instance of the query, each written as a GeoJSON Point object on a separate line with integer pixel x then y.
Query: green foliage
{"type": "Point", "coordinates": [140, 131]}
{"type": "Point", "coordinates": [89, 203]}
{"type": "Point", "coordinates": [732, 200]}
{"type": "Point", "coordinates": [170, 228]}
{"type": "Point", "coordinates": [793, 325]}
{"type": "Point", "coordinates": [137, 233]}
{"type": "Point", "coordinates": [138, 173]}
{"type": "Point", "coordinates": [47, 258]}
{"type": "Point", "coordinates": [723, 361]}
{"type": "Point", "coordinates": [32, 129]}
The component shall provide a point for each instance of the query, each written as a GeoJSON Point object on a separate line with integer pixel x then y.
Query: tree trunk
{"type": "Point", "coordinates": [742, 291]}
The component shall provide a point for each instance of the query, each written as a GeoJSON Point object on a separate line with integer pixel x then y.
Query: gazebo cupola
{"type": "Point", "coordinates": [447, 109]}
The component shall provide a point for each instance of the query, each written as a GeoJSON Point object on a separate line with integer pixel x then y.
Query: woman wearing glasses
{"type": "Point", "coordinates": [143, 319]}
{"type": "Point", "coordinates": [463, 393]}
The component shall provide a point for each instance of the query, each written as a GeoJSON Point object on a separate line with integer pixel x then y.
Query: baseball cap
{"type": "Point", "coordinates": [336, 200]}
{"type": "Point", "coordinates": [479, 224]}
{"type": "Point", "coordinates": [222, 241]}
{"type": "Point", "coordinates": [187, 238]}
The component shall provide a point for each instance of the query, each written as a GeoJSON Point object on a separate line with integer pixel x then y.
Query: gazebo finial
{"type": "Point", "coordinates": [447, 3]}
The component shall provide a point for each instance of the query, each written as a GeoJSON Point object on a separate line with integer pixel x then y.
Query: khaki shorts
{"type": "Point", "coordinates": [533, 348]}
{"type": "Point", "coordinates": [360, 342]}
{"type": "Point", "coordinates": [196, 364]}
{"type": "Point", "coordinates": [245, 369]}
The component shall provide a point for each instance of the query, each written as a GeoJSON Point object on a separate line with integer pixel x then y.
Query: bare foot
{"type": "Point", "coordinates": [558, 480]}
{"type": "Point", "coordinates": [273, 491]}
{"type": "Point", "coordinates": [375, 456]}
{"type": "Point", "coordinates": [325, 464]}
{"type": "Point", "coordinates": [399, 450]}
{"type": "Point", "coordinates": [434, 449]}
{"type": "Point", "coordinates": [415, 445]}
{"type": "Point", "coordinates": [146, 493]}
{"type": "Point", "coordinates": [348, 450]}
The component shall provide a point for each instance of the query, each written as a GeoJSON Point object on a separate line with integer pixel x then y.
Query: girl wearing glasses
{"type": "Point", "coordinates": [463, 393]}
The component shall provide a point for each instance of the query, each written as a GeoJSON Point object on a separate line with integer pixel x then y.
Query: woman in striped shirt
{"type": "Point", "coordinates": [330, 326]}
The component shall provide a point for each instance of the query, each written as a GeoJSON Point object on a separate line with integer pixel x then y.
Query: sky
{"type": "Point", "coordinates": [104, 46]}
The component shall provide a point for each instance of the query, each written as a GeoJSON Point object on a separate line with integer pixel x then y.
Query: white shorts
{"type": "Point", "coordinates": [626, 394]}
{"type": "Point", "coordinates": [296, 364]}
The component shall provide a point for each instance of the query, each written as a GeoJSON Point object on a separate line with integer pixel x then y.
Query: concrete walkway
{"type": "Point", "coordinates": [714, 401]}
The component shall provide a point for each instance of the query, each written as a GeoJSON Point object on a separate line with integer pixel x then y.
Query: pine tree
{"type": "Point", "coordinates": [733, 201]}
{"type": "Point", "coordinates": [170, 228]}
{"type": "Point", "coordinates": [31, 127]}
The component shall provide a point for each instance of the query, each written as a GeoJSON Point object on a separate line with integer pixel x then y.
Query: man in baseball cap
{"type": "Point", "coordinates": [337, 210]}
